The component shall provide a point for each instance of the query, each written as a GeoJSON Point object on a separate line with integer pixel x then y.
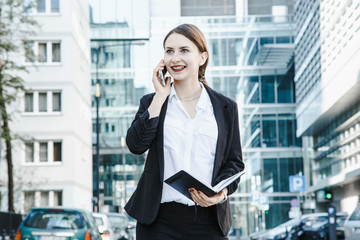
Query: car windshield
{"type": "Point", "coordinates": [55, 219]}
{"type": "Point", "coordinates": [315, 222]}
{"type": "Point", "coordinates": [118, 221]}
{"type": "Point", "coordinates": [355, 216]}
{"type": "Point", "coordinates": [340, 220]}
{"type": "Point", "coordinates": [99, 221]}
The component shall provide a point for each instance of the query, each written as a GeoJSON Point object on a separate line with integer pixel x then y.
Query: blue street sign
{"type": "Point", "coordinates": [297, 183]}
{"type": "Point", "coordinates": [264, 200]}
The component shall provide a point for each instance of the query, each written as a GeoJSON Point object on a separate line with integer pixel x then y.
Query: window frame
{"type": "Point", "coordinates": [32, 8]}
{"type": "Point", "coordinates": [54, 196]}
{"type": "Point", "coordinates": [50, 109]}
{"type": "Point", "coordinates": [50, 151]}
{"type": "Point", "coordinates": [32, 52]}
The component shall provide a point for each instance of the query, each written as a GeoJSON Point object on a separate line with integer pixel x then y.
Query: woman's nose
{"type": "Point", "coordinates": [175, 57]}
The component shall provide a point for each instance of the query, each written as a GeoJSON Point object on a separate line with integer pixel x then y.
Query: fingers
{"type": "Point", "coordinates": [201, 199]}
{"type": "Point", "coordinates": [157, 81]}
{"type": "Point", "coordinates": [158, 68]}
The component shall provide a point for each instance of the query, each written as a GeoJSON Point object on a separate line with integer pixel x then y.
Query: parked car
{"type": "Point", "coordinates": [58, 224]}
{"type": "Point", "coordinates": [316, 226]}
{"type": "Point", "coordinates": [119, 223]}
{"type": "Point", "coordinates": [284, 230]}
{"type": "Point", "coordinates": [352, 225]}
{"type": "Point", "coordinates": [261, 235]}
{"type": "Point", "coordinates": [104, 226]}
{"type": "Point", "coordinates": [308, 226]}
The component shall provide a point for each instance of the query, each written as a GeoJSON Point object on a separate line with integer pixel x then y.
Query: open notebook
{"type": "Point", "coordinates": [182, 181]}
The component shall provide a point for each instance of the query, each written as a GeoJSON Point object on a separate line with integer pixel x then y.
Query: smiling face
{"type": "Point", "coordinates": [182, 57]}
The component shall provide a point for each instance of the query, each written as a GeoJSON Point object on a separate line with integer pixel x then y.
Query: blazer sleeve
{"type": "Point", "coordinates": [234, 162]}
{"type": "Point", "coordinates": [142, 131]}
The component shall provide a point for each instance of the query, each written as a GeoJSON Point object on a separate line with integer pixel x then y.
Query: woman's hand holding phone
{"type": "Point", "coordinates": [161, 91]}
{"type": "Point", "coordinates": [161, 83]}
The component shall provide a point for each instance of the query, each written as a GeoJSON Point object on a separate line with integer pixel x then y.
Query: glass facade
{"type": "Point", "coordinates": [114, 66]}
{"type": "Point", "coordinates": [337, 145]}
{"type": "Point", "coordinates": [261, 7]}
{"type": "Point", "coordinates": [308, 54]}
{"type": "Point", "coordinates": [327, 92]}
{"type": "Point", "coordinates": [207, 7]}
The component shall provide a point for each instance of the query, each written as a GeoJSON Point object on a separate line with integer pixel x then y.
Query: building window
{"type": "Point", "coordinates": [57, 151]}
{"type": "Point", "coordinates": [46, 52]}
{"type": "Point", "coordinates": [57, 198]}
{"type": "Point", "coordinates": [270, 181]}
{"type": "Point", "coordinates": [29, 102]}
{"type": "Point", "coordinates": [48, 102]}
{"type": "Point", "coordinates": [42, 102]}
{"type": "Point", "coordinates": [267, 89]}
{"type": "Point", "coordinates": [55, 52]}
{"type": "Point", "coordinates": [269, 133]}
{"type": "Point", "coordinates": [55, 6]}
{"type": "Point", "coordinates": [43, 152]}
{"type": "Point", "coordinates": [29, 200]}
{"type": "Point", "coordinates": [29, 146]}
{"type": "Point", "coordinates": [56, 102]}
{"type": "Point", "coordinates": [41, 198]}
{"type": "Point", "coordinates": [42, 52]}
{"type": "Point", "coordinates": [207, 7]}
{"type": "Point", "coordinates": [29, 51]}
{"type": "Point", "coordinates": [42, 6]}
{"type": "Point", "coordinates": [44, 198]}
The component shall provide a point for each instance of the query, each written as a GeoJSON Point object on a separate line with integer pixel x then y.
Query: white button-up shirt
{"type": "Point", "coordinates": [189, 144]}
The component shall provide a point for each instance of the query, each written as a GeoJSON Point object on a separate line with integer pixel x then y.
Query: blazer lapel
{"type": "Point", "coordinates": [160, 139]}
{"type": "Point", "coordinates": [221, 112]}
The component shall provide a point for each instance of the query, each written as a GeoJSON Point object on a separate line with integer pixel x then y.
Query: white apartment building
{"type": "Point", "coordinates": [53, 165]}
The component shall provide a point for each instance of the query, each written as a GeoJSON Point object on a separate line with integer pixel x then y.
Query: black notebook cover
{"type": "Point", "coordinates": [182, 182]}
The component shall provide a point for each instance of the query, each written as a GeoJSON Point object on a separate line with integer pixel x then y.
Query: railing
{"type": "Point", "coordinates": [228, 26]}
{"type": "Point", "coordinates": [9, 222]}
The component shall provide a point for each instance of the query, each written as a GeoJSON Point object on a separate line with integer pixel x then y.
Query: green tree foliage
{"type": "Point", "coordinates": [16, 27]}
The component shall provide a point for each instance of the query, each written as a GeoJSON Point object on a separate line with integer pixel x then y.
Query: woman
{"type": "Point", "coordinates": [185, 126]}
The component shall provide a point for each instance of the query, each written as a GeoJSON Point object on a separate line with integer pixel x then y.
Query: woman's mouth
{"type": "Point", "coordinates": [178, 68]}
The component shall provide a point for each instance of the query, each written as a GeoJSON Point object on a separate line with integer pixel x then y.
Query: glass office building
{"type": "Point", "coordinates": [119, 64]}
{"type": "Point", "coordinates": [327, 84]}
{"type": "Point", "coordinates": [251, 61]}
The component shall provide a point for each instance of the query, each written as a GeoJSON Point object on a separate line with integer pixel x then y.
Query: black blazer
{"type": "Point", "coordinates": [145, 133]}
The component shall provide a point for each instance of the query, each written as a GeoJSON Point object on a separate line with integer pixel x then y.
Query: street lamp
{"type": "Point", "coordinates": [100, 53]}
{"type": "Point", "coordinates": [97, 98]}
{"type": "Point", "coordinates": [122, 143]}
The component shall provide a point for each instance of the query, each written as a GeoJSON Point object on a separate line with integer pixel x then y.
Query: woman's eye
{"type": "Point", "coordinates": [169, 51]}
{"type": "Point", "coordinates": [184, 50]}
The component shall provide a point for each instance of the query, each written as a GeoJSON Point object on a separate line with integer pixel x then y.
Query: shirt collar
{"type": "Point", "coordinates": [204, 100]}
{"type": "Point", "coordinates": [172, 93]}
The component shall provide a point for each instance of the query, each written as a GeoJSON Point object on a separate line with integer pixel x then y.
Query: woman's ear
{"type": "Point", "coordinates": [204, 57]}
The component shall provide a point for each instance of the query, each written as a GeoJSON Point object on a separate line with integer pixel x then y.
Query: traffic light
{"type": "Point", "coordinates": [328, 194]}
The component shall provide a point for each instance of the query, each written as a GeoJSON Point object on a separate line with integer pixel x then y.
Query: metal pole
{"type": "Point", "coordinates": [0, 112]}
{"type": "Point", "coordinates": [97, 97]}
{"type": "Point", "coordinates": [122, 142]}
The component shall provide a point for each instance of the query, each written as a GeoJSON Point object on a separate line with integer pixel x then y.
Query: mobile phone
{"type": "Point", "coordinates": [162, 74]}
